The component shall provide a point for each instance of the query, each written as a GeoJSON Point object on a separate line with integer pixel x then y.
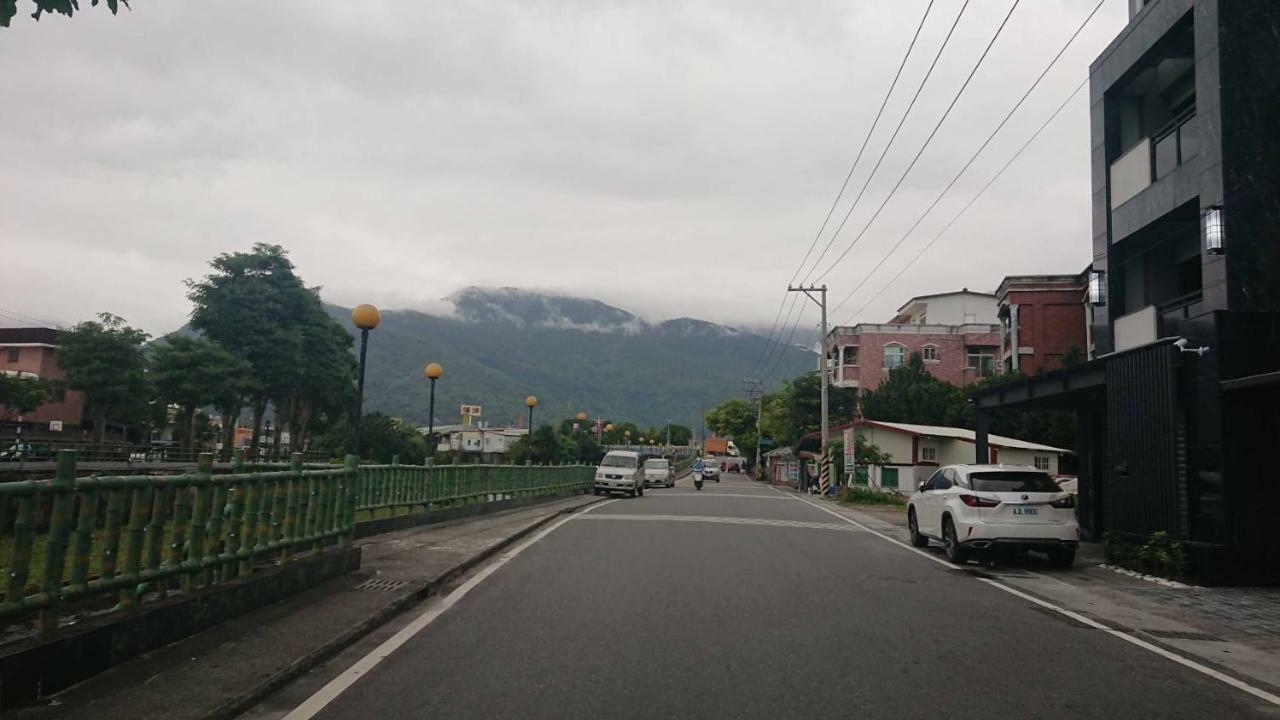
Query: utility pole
{"type": "Point", "coordinates": [824, 466]}
{"type": "Point", "coordinates": [755, 392]}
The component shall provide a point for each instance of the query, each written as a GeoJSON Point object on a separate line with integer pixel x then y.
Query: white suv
{"type": "Point", "coordinates": [980, 507]}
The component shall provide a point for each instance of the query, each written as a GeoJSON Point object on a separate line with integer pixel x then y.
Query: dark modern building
{"type": "Point", "coordinates": [1179, 406]}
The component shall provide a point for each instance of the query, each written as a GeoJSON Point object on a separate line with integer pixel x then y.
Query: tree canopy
{"type": "Point", "coordinates": [103, 358]}
{"type": "Point", "coordinates": [193, 373]}
{"type": "Point", "coordinates": [21, 395]}
{"type": "Point", "coordinates": [9, 8]}
{"type": "Point", "coordinates": [911, 395]}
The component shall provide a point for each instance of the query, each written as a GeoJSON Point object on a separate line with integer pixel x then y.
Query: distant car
{"type": "Point", "coordinates": [990, 507]}
{"type": "Point", "coordinates": [620, 471]}
{"type": "Point", "coordinates": [711, 469]}
{"type": "Point", "coordinates": [658, 472]}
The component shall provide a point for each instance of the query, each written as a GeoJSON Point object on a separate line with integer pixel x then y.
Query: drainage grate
{"type": "Point", "coordinates": [376, 584]}
{"type": "Point", "coordinates": [1182, 635]}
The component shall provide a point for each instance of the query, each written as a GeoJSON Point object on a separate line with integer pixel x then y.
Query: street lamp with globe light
{"type": "Point", "coordinates": [365, 317]}
{"type": "Point", "coordinates": [531, 402]}
{"type": "Point", "coordinates": [433, 372]}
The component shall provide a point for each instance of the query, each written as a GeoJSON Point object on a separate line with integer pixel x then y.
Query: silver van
{"type": "Point", "coordinates": [620, 471]}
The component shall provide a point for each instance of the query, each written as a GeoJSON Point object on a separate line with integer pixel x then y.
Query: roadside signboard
{"type": "Point", "coordinates": [793, 471]}
{"type": "Point", "coordinates": [848, 448]}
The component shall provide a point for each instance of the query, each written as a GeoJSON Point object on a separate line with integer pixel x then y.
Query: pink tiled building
{"type": "Point", "coordinates": [31, 352]}
{"type": "Point", "coordinates": [957, 335]}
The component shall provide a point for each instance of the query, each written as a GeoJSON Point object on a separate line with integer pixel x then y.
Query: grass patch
{"type": "Point", "coordinates": [858, 495]}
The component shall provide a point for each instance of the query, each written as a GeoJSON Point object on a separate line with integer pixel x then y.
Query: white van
{"type": "Point", "coordinates": [658, 472]}
{"type": "Point", "coordinates": [620, 471]}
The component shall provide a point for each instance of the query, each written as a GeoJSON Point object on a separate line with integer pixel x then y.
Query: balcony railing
{"type": "Point", "coordinates": [1154, 157]}
{"type": "Point", "coordinates": [1131, 173]}
{"type": "Point", "coordinates": [1176, 143]}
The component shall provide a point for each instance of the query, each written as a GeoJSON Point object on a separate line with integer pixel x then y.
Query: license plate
{"type": "Point", "coordinates": [1026, 511]}
{"type": "Point", "coordinates": [613, 477]}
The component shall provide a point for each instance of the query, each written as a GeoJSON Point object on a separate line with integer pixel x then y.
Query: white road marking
{"type": "Point", "coordinates": [716, 494]}
{"type": "Point", "coordinates": [338, 685]}
{"type": "Point", "coordinates": [722, 520]}
{"type": "Point", "coordinates": [1139, 642]}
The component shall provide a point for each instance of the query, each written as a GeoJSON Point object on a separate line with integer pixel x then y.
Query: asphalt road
{"type": "Point", "coordinates": [743, 602]}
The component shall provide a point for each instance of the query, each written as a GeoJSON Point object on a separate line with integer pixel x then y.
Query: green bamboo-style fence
{"type": "Point", "coordinates": [123, 540]}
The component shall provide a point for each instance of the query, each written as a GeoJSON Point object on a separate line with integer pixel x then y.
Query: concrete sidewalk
{"type": "Point", "coordinates": [223, 671]}
{"type": "Point", "coordinates": [1234, 630]}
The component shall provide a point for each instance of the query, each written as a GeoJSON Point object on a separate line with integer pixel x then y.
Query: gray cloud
{"type": "Point", "coordinates": [672, 158]}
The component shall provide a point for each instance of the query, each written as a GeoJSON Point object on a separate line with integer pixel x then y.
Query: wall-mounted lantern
{"type": "Point", "coordinates": [1214, 234]}
{"type": "Point", "coordinates": [1098, 287]}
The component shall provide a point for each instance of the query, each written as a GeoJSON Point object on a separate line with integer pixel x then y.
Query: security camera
{"type": "Point", "coordinates": [1181, 344]}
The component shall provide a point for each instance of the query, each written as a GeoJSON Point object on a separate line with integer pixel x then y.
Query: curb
{"type": "Point", "coordinates": [247, 700]}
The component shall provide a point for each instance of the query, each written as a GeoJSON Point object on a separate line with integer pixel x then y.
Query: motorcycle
{"type": "Point", "coordinates": [697, 481]}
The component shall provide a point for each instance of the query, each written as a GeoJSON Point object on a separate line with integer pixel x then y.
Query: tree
{"type": "Point", "coordinates": [541, 447]}
{"type": "Point", "coordinates": [254, 305]}
{"type": "Point", "coordinates": [193, 373]}
{"type": "Point", "coordinates": [797, 408]}
{"type": "Point", "coordinates": [104, 360]}
{"type": "Point", "coordinates": [679, 434]}
{"type": "Point", "coordinates": [735, 418]}
{"type": "Point", "coordinates": [21, 395]}
{"type": "Point", "coordinates": [382, 439]}
{"type": "Point", "coordinates": [9, 8]}
{"type": "Point", "coordinates": [911, 395]}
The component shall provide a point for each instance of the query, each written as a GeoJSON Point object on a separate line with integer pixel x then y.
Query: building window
{"type": "Point", "coordinates": [1042, 462]}
{"type": "Point", "coordinates": [929, 353]}
{"type": "Point", "coordinates": [849, 355]}
{"type": "Point", "coordinates": [58, 391]}
{"type": "Point", "coordinates": [983, 360]}
{"type": "Point", "coordinates": [893, 356]}
{"type": "Point", "coordinates": [929, 454]}
{"type": "Point", "coordinates": [13, 354]}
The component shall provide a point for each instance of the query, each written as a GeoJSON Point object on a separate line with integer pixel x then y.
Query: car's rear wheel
{"type": "Point", "coordinates": [913, 527]}
{"type": "Point", "coordinates": [1062, 557]}
{"type": "Point", "coordinates": [955, 553]}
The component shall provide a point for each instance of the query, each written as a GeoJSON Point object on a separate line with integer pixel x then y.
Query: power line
{"type": "Point", "coordinates": [929, 139]}
{"type": "Point", "coordinates": [980, 193]}
{"type": "Point", "coordinates": [979, 151]}
{"type": "Point", "coordinates": [888, 145]}
{"type": "Point", "coordinates": [778, 347]}
{"type": "Point", "coordinates": [20, 317]}
{"type": "Point", "coordinates": [778, 361]}
{"type": "Point", "coordinates": [843, 186]}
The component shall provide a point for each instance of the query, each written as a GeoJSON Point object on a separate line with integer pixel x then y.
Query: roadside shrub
{"type": "Point", "coordinates": [1159, 555]}
{"type": "Point", "coordinates": [861, 495]}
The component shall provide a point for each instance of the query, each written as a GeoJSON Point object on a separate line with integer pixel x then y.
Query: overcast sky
{"type": "Point", "coordinates": [672, 158]}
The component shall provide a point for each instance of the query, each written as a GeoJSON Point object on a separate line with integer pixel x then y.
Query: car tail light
{"type": "Point", "coordinates": [1065, 503]}
{"type": "Point", "coordinates": [978, 502]}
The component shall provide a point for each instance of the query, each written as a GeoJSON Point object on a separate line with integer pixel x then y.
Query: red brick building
{"type": "Point", "coordinates": [31, 352]}
{"type": "Point", "coordinates": [956, 334]}
{"type": "Point", "coordinates": [1041, 318]}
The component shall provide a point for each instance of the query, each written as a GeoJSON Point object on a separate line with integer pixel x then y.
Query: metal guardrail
{"type": "Point", "coordinates": [138, 537]}
{"type": "Point", "coordinates": [46, 450]}
{"type": "Point", "coordinates": [408, 486]}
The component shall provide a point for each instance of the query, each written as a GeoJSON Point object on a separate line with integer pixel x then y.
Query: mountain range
{"type": "Point", "coordinates": [574, 354]}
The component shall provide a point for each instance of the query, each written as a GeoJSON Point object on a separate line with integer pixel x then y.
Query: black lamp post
{"type": "Point", "coordinates": [531, 402]}
{"type": "Point", "coordinates": [433, 372]}
{"type": "Point", "coordinates": [365, 317]}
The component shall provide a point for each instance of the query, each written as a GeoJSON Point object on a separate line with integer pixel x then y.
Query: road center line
{"type": "Point", "coordinates": [341, 683]}
{"type": "Point", "coordinates": [1139, 642]}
